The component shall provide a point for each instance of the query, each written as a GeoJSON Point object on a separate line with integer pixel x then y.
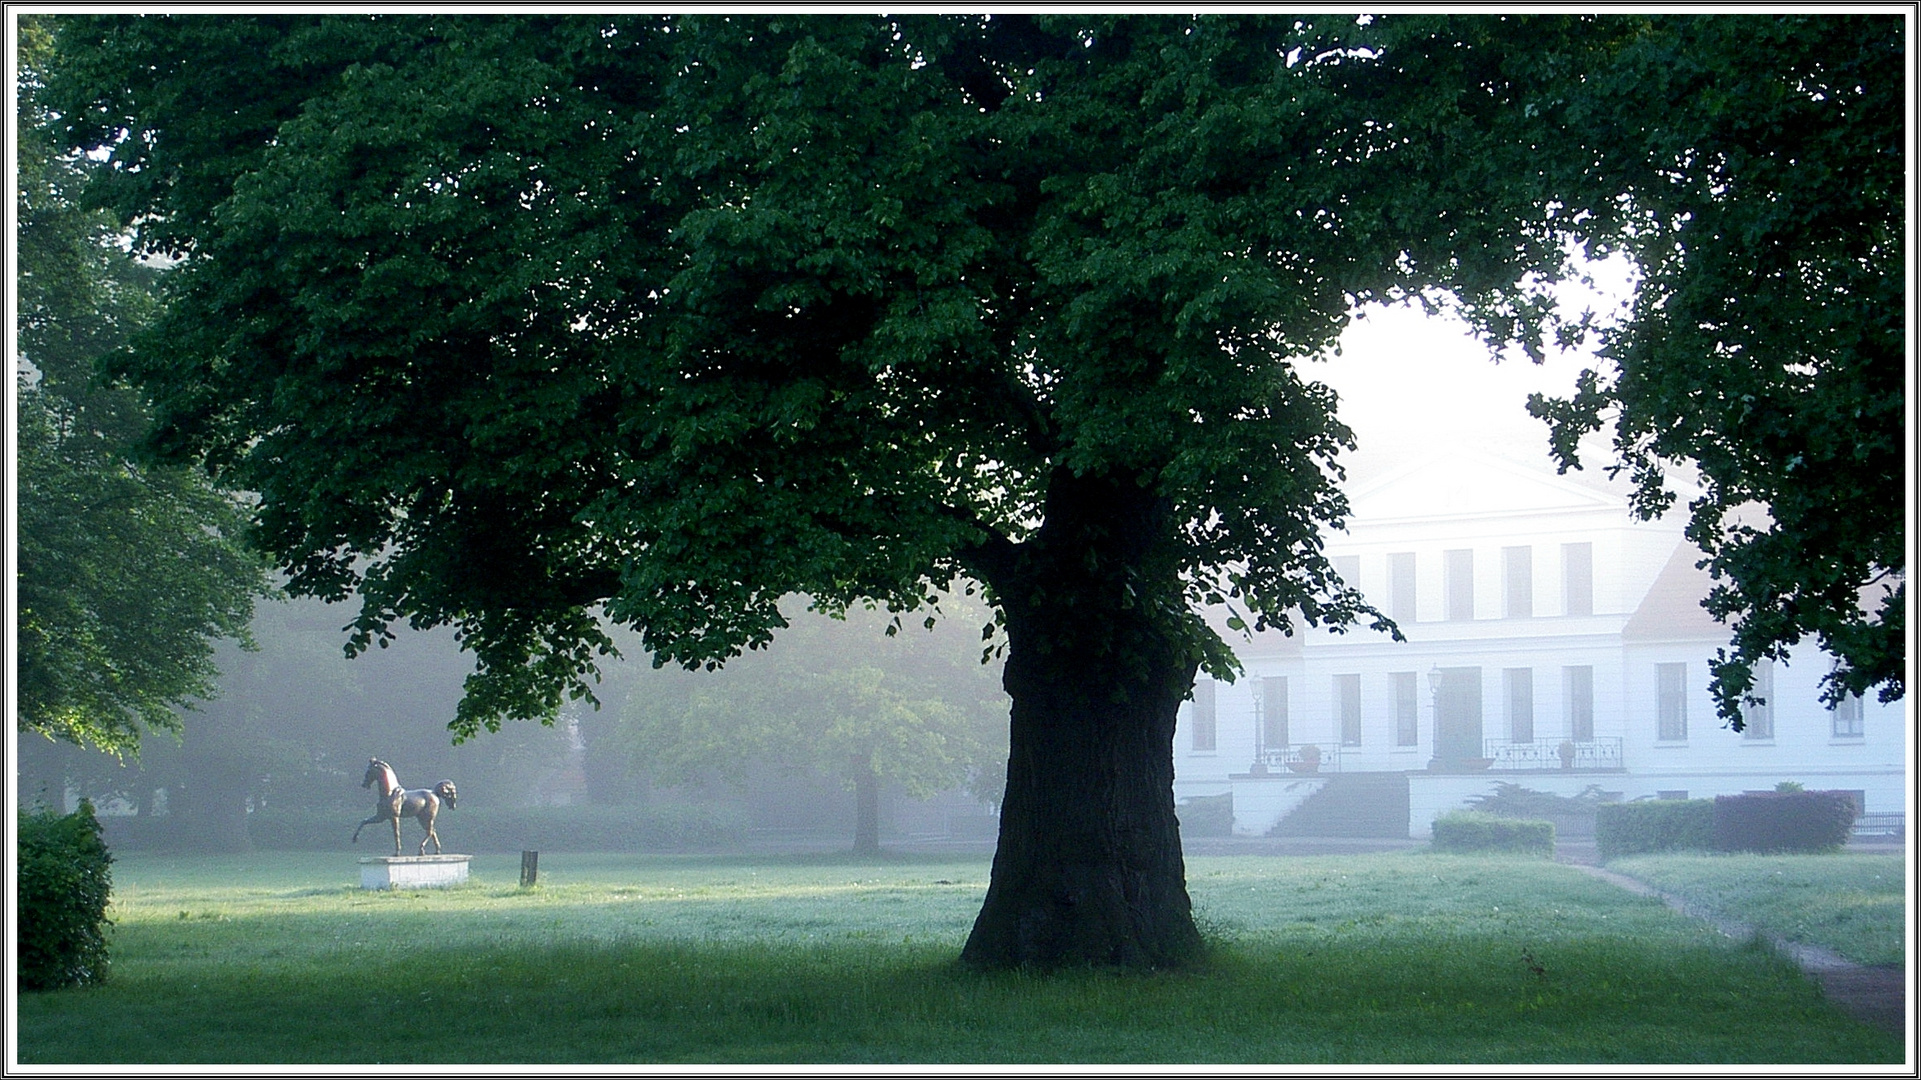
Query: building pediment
{"type": "Point", "coordinates": [1461, 483]}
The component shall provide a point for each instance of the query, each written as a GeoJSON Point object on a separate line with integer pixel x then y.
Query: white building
{"type": "Point", "coordinates": [1554, 641]}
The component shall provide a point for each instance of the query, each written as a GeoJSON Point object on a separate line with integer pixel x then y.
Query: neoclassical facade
{"type": "Point", "coordinates": [1553, 640]}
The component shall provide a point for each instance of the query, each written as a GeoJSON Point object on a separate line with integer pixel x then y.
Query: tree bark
{"type": "Point", "coordinates": [1088, 870]}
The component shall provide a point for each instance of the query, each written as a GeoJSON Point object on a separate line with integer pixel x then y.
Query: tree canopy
{"type": "Point", "coordinates": [128, 570]}
{"type": "Point", "coordinates": [685, 315]}
{"type": "Point", "coordinates": [1765, 166]}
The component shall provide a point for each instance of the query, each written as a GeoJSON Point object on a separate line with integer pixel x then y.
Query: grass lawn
{"type": "Point", "coordinates": [1395, 958]}
{"type": "Point", "coordinates": [1851, 904]}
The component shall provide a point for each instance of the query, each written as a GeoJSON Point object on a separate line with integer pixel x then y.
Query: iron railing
{"type": "Point", "coordinates": [1540, 754]}
{"type": "Point", "coordinates": [1289, 759]}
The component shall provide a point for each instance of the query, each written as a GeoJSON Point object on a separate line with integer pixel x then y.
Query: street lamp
{"type": "Point", "coordinates": [1434, 697]}
{"type": "Point", "coordinates": [1259, 768]}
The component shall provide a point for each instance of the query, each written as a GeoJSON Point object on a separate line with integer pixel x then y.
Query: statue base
{"type": "Point", "coordinates": [413, 871]}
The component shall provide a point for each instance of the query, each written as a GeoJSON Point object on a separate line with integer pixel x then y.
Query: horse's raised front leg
{"type": "Point", "coordinates": [363, 825]}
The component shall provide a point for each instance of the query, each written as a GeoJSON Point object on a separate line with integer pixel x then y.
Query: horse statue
{"type": "Point", "coordinates": [393, 802]}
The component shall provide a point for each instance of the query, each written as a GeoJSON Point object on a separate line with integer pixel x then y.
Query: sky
{"type": "Point", "coordinates": [1409, 382]}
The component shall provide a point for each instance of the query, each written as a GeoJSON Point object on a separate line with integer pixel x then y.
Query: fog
{"type": "Point", "coordinates": [278, 758]}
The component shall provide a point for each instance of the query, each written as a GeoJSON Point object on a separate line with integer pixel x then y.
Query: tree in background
{"type": "Point", "coordinates": [518, 322]}
{"type": "Point", "coordinates": [1765, 162]}
{"type": "Point", "coordinates": [128, 570]}
{"type": "Point", "coordinates": [844, 698]}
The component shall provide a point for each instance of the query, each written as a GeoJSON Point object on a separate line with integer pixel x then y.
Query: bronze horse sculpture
{"type": "Point", "coordinates": [394, 802]}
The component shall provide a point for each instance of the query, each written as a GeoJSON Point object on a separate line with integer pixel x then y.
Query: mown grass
{"type": "Point", "coordinates": [1399, 958]}
{"type": "Point", "coordinates": [1851, 904]}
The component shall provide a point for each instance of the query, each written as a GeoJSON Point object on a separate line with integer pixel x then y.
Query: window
{"type": "Point", "coordinates": [1203, 714]}
{"type": "Point", "coordinates": [1274, 711]}
{"type": "Point", "coordinates": [1347, 705]}
{"type": "Point", "coordinates": [1407, 716]}
{"type": "Point", "coordinates": [1457, 574]}
{"type": "Point", "coordinates": [1517, 582]}
{"type": "Point", "coordinates": [1348, 567]}
{"type": "Point", "coordinates": [1400, 586]}
{"type": "Point", "coordinates": [1671, 706]}
{"type": "Point", "coordinates": [1519, 684]}
{"type": "Point", "coordinates": [1577, 578]}
{"type": "Point", "coordinates": [1577, 685]}
{"type": "Point", "coordinates": [1846, 718]}
{"type": "Point", "coordinates": [1757, 720]}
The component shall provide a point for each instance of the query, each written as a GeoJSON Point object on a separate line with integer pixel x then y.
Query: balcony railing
{"type": "Point", "coordinates": [1288, 759]}
{"type": "Point", "coordinates": [1538, 754]}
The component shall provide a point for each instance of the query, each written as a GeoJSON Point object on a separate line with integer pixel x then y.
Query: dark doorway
{"type": "Point", "coordinates": [1457, 722]}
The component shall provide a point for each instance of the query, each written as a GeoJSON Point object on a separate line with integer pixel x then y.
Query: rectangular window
{"type": "Point", "coordinates": [1457, 577]}
{"type": "Point", "coordinates": [1203, 714]}
{"type": "Point", "coordinates": [1517, 581]}
{"type": "Point", "coordinates": [1274, 711]}
{"type": "Point", "coordinates": [1348, 568]}
{"type": "Point", "coordinates": [1847, 718]}
{"type": "Point", "coordinates": [1577, 684]}
{"type": "Point", "coordinates": [1407, 716]}
{"type": "Point", "coordinates": [1671, 707]}
{"type": "Point", "coordinates": [1347, 704]}
{"type": "Point", "coordinates": [1400, 587]}
{"type": "Point", "coordinates": [1577, 578]}
{"type": "Point", "coordinates": [1757, 721]}
{"type": "Point", "coordinates": [1519, 684]}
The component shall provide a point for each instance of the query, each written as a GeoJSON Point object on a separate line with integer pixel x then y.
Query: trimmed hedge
{"type": "Point", "coordinates": [1476, 830]}
{"type": "Point", "coordinates": [1759, 821]}
{"type": "Point", "coordinates": [1778, 821]}
{"type": "Point", "coordinates": [64, 885]}
{"type": "Point", "coordinates": [1648, 825]}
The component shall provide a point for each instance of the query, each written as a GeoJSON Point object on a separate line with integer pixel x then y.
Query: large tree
{"type": "Point", "coordinates": [128, 570]}
{"type": "Point", "coordinates": [514, 322]}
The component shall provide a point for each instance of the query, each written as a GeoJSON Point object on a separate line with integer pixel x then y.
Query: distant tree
{"type": "Point", "coordinates": [522, 322]}
{"type": "Point", "coordinates": [1765, 165]}
{"type": "Point", "coordinates": [840, 698]}
{"type": "Point", "coordinates": [128, 570]}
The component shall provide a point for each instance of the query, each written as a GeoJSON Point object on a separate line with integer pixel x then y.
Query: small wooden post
{"type": "Point", "coordinates": [529, 868]}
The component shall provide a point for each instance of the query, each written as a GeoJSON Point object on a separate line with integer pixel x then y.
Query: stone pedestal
{"type": "Point", "coordinates": [413, 871]}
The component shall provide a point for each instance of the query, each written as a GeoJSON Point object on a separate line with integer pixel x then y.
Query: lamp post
{"type": "Point", "coordinates": [1434, 697]}
{"type": "Point", "coordinates": [1259, 768]}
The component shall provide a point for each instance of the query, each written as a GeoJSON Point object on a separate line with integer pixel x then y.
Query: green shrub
{"type": "Point", "coordinates": [1783, 821]}
{"type": "Point", "coordinates": [1649, 825]}
{"type": "Point", "coordinates": [1476, 830]}
{"type": "Point", "coordinates": [1207, 815]}
{"type": "Point", "coordinates": [1572, 815]}
{"type": "Point", "coordinates": [61, 903]}
{"type": "Point", "coordinates": [1512, 800]}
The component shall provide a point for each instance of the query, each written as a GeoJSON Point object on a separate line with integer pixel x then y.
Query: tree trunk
{"type": "Point", "coordinates": [866, 808]}
{"type": "Point", "coordinates": [1089, 869]}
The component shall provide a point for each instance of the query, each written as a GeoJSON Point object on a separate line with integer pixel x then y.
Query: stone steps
{"type": "Point", "coordinates": [1352, 805]}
